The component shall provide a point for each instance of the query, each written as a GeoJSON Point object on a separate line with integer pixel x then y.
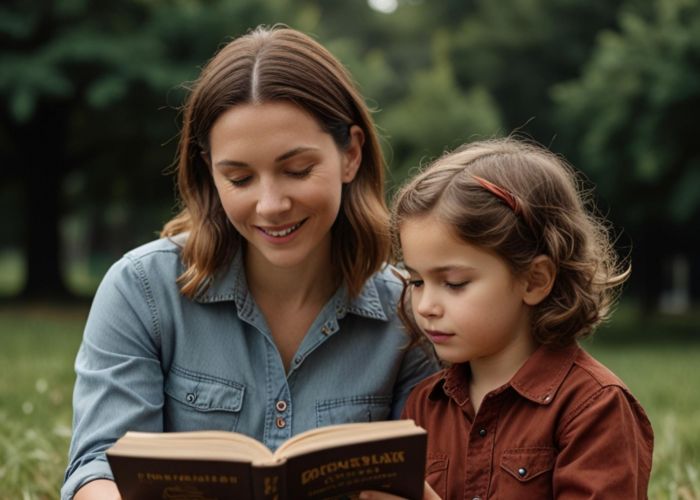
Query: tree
{"type": "Point", "coordinates": [519, 49]}
{"type": "Point", "coordinates": [631, 120]}
{"type": "Point", "coordinates": [79, 96]}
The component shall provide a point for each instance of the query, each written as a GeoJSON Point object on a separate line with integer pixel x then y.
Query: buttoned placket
{"type": "Point", "coordinates": [480, 446]}
{"type": "Point", "coordinates": [279, 416]}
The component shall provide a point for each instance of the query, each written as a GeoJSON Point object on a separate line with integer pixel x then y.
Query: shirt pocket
{"type": "Point", "coordinates": [436, 472]}
{"type": "Point", "coordinates": [195, 401]}
{"type": "Point", "coordinates": [352, 409]}
{"type": "Point", "coordinates": [526, 473]}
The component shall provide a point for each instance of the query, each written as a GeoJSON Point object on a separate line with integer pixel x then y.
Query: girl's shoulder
{"type": "Point", "coordinates": [598, 372]}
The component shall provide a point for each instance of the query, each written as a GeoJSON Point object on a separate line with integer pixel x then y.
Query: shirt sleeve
{"type": "Point", "coordinates": [119, 383]}
{"type": "Point", "coordinates": [606, 449]}
{"type": "Point", "coordinates": [419, 362]}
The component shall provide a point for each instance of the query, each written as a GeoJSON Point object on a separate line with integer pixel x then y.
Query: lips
{"type": "Point", "coordinates": [438, 337]}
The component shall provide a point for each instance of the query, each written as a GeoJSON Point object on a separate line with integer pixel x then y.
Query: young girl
{"type": "Point", "coordinates": [507, 270]}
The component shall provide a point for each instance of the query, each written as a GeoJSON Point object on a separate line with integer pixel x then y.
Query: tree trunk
{"type": "Point", "coordinates": [43, 165]}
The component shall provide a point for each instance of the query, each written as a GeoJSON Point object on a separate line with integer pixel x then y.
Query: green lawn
{"type": "Point", "coordinates": [36, 368]}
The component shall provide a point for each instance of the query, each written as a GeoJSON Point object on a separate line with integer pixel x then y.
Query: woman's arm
{"type": "Point", "coordinates": [418, 364]}
{"type": "Point", "coordinates": [119, 384]}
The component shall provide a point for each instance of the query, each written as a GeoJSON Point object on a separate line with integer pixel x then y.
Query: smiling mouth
{"type": "Point", "coordinates": [282, 232]}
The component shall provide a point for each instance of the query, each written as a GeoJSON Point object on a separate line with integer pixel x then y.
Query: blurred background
{"type": "Point", "coordinates": [90, 94]}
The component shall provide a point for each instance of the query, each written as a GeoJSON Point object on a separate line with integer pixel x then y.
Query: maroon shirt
{"type": "Point", "coordinates": [564, 427]}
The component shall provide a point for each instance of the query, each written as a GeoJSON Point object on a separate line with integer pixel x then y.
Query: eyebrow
{"type": "Point", "coordinates": [440, 269]}
{"type": "Point", "coordinates": [284, 156]}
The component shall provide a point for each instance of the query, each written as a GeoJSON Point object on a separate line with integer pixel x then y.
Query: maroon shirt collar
{"type": "Point", "coordinates": [538, 379]}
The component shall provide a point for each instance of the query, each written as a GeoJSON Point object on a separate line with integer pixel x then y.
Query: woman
{"type": "Point", "coordinates": [266, 308]}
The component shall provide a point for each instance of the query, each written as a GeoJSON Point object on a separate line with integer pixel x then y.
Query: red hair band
{"type": "Point", "coordinates": [506, 196]}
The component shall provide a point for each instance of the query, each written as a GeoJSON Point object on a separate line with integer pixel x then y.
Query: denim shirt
{"type": "Point", "coordinates": [154, 360]}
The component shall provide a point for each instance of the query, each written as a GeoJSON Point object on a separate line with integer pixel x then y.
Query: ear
{"type": "Point", "coordinates": [539, 280]}
{"type": "Point", "coordinates": [352, 155]}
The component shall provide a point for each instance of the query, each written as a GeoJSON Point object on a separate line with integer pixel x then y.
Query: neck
{"type": "Point", "coordinates": [492, 372]}
{"type": "Point", "coordinates": [311, 282]}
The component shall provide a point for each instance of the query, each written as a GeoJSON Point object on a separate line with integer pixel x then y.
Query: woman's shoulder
{"type": "Point", "coordinates": [387, 279]}
{"type": "Point", "coordinates": [381, 292]}
{"type": "Point", "coordinates": [162, 246]}
{"type": "Point", "coordinates": [157, 260]}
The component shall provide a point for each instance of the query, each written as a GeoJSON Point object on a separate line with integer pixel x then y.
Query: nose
{"type": "Point", "coordinates": [272, 201]}
{"type": "Point", "coordinates": [426, 303]}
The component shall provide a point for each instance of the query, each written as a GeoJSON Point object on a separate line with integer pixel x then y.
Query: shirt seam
{"type": "Point", "coordinates": [148, 293]}
{"type": "Point", "coordinates": [575, 412]}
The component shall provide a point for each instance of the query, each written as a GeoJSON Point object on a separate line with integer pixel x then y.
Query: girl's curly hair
{"type": "Point", "coordinates": [554, 217]}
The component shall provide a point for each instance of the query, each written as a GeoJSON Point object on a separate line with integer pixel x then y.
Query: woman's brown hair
{"type": "Point", "coordinates": [520, 200]}
{"type": "Point", "coordinates": [277, 64]}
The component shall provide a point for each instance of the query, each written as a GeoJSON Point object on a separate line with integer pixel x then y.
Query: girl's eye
{"type": "Point", "coordinates": [456, 286]}
{"type": "Point", "coordinates": [301, 173]}
{"type": "Point", "coordinates": [240, 182]}
{"type": "Point", "coordinates": [415, 283]}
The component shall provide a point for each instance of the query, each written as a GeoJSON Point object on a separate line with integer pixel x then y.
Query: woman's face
{"type": "Point", "coordinates": [279, 177]}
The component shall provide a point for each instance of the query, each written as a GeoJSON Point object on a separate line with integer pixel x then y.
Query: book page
{"type": "Point", "coordinates": [203, 445]}
{"type": "Point", "coordinates": [338, 435]}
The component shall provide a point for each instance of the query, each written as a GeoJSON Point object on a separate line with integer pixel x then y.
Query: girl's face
{"type": "Point", "coordinates": [279, 178]}
{"type": "Point", "coordinates": [464, 298]}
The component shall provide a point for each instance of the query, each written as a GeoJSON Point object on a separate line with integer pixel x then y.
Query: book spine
{"type": "Point", "coordinates": [269, 482]}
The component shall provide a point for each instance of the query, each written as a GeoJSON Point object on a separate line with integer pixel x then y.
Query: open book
{"type": "Point", "coordinates": [336, 462]}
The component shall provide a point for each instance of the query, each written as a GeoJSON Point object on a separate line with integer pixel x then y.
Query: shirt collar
{"type": "Point", "coordinates": [232, 285]}
{"type": "Point", "coordinates": [538, 380]}
{"type": "Point", "coordinates": [543, 373]}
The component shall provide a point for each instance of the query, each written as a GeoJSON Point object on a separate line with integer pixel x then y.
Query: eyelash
{"type": "Point", "coordinates": [297, 175]}
{"type": "Point", "coordinates": [456, 286]}
{"type": "Point", "coordinates": [239, 182]}
{"type": "Point", "coordinates": [302, 173]}
{"type": "Point", "coordinates": [451, 286]}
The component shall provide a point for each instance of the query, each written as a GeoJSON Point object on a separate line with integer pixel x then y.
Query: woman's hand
{"type": "Point", "coordinates": [428, 494]}
{"type": "Point", "coordinates": [99, 489]}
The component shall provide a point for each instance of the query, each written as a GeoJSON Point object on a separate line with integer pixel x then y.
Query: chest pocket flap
{"type": "Point", "coordinates": [527, 463]}
{"type": "Point", "coordinates": [204, 393]}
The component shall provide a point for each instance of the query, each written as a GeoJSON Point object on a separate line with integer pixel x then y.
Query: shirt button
{"type": "Point", "coordinates": [482, 432]}
{"type": "Point", "coordinates": [280, 423]}
{"type": "Point", "coordinates": [190, 397]}
{"type": "Point", "coordinates": [281, 405]}
{"type": "Point", "coordinates": [326, 329]}
{"type": "Point", "coordinates": [522, 472]}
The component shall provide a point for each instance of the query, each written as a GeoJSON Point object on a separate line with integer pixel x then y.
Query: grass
{"type": "Point", "coordinates": [657, 357]}
{"type": "Point", "coordinates": [664, 379]}
{"type": "Point", "coordinates": [36, 380]}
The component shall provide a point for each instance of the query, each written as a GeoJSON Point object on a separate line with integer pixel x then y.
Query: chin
{"type": "Point", "coordinates": [449, 356]}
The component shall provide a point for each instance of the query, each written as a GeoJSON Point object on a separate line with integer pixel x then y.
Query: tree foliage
{"type": "Point", "coordinates": [90, 94]}
{"type": "Point", "coordinates": [632, 113]}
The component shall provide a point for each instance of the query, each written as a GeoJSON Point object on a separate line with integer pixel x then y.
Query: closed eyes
{"type": "Point", "coordinates": [301, 174]}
